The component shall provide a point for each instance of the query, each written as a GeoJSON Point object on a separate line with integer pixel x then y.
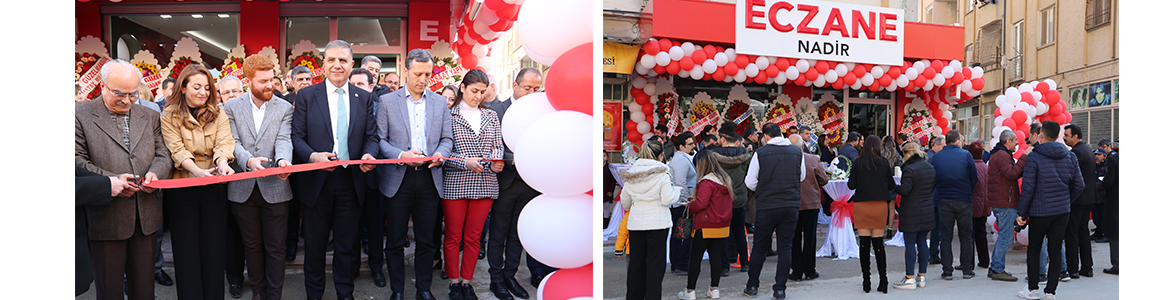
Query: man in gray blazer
{"type": "Point", "coordinates": [115, 137]}
{"type": "Point", "coordinates": [413, 122]}
{"type": "Point", "coordinates": [262, 130]}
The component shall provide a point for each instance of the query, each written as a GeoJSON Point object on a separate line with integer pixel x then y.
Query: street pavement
{"type": "Point", "coordinates": [841, 279]}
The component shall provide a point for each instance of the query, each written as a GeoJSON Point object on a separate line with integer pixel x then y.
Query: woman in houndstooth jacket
{"type": "Point", "coordinates": [469, 185]}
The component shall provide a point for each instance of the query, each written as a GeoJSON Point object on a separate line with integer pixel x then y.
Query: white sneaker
{"type": "Point", "coordinates": [690, 295]}
{"type": "Point", "coordinates": [1033, 294]}
{"type": "Point", "coordinates": [1048, 296]}
{"type": "Point", "coordinates": [921, 279]}
{"type": "Point", "coordinates": [906, 284]}
{"type": "Point", "coordinates": [713, 293]}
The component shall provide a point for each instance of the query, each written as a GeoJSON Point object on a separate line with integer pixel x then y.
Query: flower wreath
{"type": "Point", "coordinates": [777, 110]}
{"type": "Point", "coordinates": [234, 63]}
{"type": "Point", "coordinates": [834, 129]}
{"type": "Point", "coordinates": [665, 108]}
{"type": "Point", "coordinates": [736, 108]}
{"type": "Point", "coordinates": [179, 65]}
{"type": "Point", "coordinates": [913, 117]}
{"type": "Point", "coordinates": [311, 61]}
{"type": "Point", "coordinates": [85, 61]}
{"type": "Point", "coordinates": [442, 65]}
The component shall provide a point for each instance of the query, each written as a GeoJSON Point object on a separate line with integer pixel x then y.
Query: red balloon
{"type": "Point", "coordinates": [719, 49]}
{"type": "Point", "coordinates": [885, 80]}
{"type": "Point", "coordinates": [494, 4]}
{"type": "Point", "coordinates": [942, 122]}
{"type": "Point", "coordinates": [859, 71]}
{"type": "Point", "coordinates": [873, 88]}
{"type": "Point", "coordinates": [563, 85]}
{"type": "Point", "coordinates": [1021, 135]}
{"type": "Point", "coordinates": [706, 76]}
{"type": "Point", "coordinates": [811, 74]}
{"type": "Point", "coordinates": [1066, 119]}
{"type": "Point", "coordinates": [631, 126]}
{"type": "Point", "coordinates": [849, 78]}
{"type": "Point", "coordinates": [832, 65]}
{"type": "Point", "coordinates": [977, 84]}
{"type": "Point", "coordinates": [509, 12]}
{"type": "Point", "coordinates": [761, 78]}
{"type": "Point", "coordinates": [928, 73]}
{"type": "Point", "coordinates": [1052, 97]}
{"type": "Point", "coordinates": [741, 61]}
{"type": "Point", "coordinates": [673, 68]}
{"type": "Point", "coordinates": [634, 136]}
{"type": "Point", "coordinates": [997, 112]}
{"type": "Point", "coordinates": [709, 50]}
{"type": "Point", "coordinates": [730, 69]}
{"type": "Point", "coordinates": [1009, 123]}
{"type": "Point", "coordinates": [958, 78]}
{"type": "Point", "coordinates": [687, 63]}
{"type": "Point", "coordinates": [699, 56]}
{"type": "Point", "coordinates": [822, 67]}
{"type": "Point", "coordinates": [772, 71]}
{"type": "Point", "coordinates": [1027, 98]}
{"type": "Point", "coordinates": [894, 71]}
{"type": "Point", "coordinates": [839, 84]}
{"type": "Point", "coordinates": [501, 26]}
{"type": "Point", "coordinates": [637, 92]}
{"type": "Point", "coordinates": [568, 284]}
{"type": "Point", "coordinates": [660, 70]}
{"type": "Point", "coordinates": [642, 99]}
{"type": "Point", "coordinates": [947, 84]}
{"type": "Point", "coordinates": [937, 65]}
{"type": "Point", "coordinates": [966, 72]}
{"type": "Point", "coordinates": [1020, 117]}
{"type": "Point", "coordinates": [799, 80]}
{"type": "Point", "coordinates": [1041, 87]}
{"type": "Point", "coordinates": [719, 74]}
{"type": "Point", "coordinates": [651, 48]}
{"type": "Point", "coordinates": [469, 62]}
{"type": "Point", "coordinates": [665, 44]}
{"type": "Point", "coordinates": [782, 64]}
{"type": "Point", "coordinates": [648, 110]}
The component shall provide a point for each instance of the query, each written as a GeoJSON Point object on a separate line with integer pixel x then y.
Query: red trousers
{"type": "Point", "coordinates": [463, 222]}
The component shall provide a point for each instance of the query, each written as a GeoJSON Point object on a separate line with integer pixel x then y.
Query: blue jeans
{"type": "Point", "coordinates": [916, 249]}
{"type": "Point", "coordinates": [1005, 218]}
{"type": "Point", "coordinates": [1044, 258]}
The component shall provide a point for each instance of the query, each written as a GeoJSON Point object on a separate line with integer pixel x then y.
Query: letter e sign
{"type": "Point", "coordinates": [428, 30]}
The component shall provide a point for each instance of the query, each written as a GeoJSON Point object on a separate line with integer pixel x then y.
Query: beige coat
{"type": "Point", "coordinates": [204, 144]}
{"type": "Point", "coordinates": [99, 149]}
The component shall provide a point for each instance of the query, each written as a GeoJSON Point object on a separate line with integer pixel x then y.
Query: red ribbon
{"type": "Point", "coordinates": [200, 181]}
{"type": "Point", "coordinates": [842, 209]}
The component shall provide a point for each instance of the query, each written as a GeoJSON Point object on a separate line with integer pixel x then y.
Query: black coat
{"type": "Point", "coordinates": [872, 178]}
{"type": "Point", "coordinates": [916, 212]}
{"type": "Point", "coordinates": [1112, 187]}
{"type": "Point", "coordinates": [1087, 161]}
{"type": "Point", "coordinates": [89, 189]}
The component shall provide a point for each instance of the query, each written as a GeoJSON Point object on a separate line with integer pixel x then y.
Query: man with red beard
{"type": "Point", "coordinates": [262, 129]}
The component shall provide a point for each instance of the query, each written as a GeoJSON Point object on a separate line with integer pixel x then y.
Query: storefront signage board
{"type": "Point", "coordinates": [820, 30]}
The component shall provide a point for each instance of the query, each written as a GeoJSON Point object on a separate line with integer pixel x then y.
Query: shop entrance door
{"type": "Point", "coordinates": [869, 113]}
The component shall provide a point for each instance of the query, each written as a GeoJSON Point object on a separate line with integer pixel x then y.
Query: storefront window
{"type": "Point", "coordinates": [313, 29]}
{"type": "Point", "coordinates": [369, 31]}
{"type": "Point", "coordinates": [215, 34]}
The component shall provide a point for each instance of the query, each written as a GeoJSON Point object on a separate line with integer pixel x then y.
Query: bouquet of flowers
{"type": "Point", "coordinates": [700, 111]}
{"type": "Point", "coordinates": [85, 61]}
{"type": "Point", "coordinates": [665, 109]}
{"type": "Point", "coordinates": [233, 64]}
{"type": "Point", "coordinates": [179, 64]}
{"type": "Point", "coordinates": [831, 115]}
{"type": "Point", "coordinates": [736, 109]}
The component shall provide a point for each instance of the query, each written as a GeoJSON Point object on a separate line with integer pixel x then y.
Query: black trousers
{"type": "Point", "coordinates": [804, 245]}
{"type": "Point", "coordinates": [294, 218]}
{"type": "Point", "coordinates": [374, 223]}
{"type": "Point", "coordinates": [234, 251]}
{"type": "Point", "coordinates": [736, 247]}
{"type": "Point", "coordinates": [647, 264]}
{"type": "Point", "coordinates": [782, 222]}
{"type": "Point", "coordinates": [504, 249]}
{"type": "Point", "coordinates": [954, 213]}
{"type": "Point", "coordinates": [1078, 247]}
{"type": "Point", "coordinates": [1099, 219]}
{"type": "Point", "coordinates": [418, 199]}
{"type": "Point", "coordinates": [714, 249]}
{"type": "Point", "coordinates": [680, 250]}
{"type": "Point", "coordinates": [336, 210]}
{"type": "Point", "coordinates": [979, 235]}
{"type": "Point", "coordinates": [262, 227]}
{"type": "Point", "coordinates": [1051, 227]}
{"type": "Point", "coordinates": [198, 226]}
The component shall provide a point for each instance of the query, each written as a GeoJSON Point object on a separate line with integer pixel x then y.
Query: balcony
{"type": "Point", "coordinates": [988, 47]}
{"type": "Point", "coordinates": [1014, 66]}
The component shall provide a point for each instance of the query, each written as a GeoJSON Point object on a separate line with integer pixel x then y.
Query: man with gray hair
{"type": "Point", "coordinates": [412, 190]}
{"type": "Point", "coordinates": [374, 65]}
{"type": "Point", "coordinates": [301, 78]}
{"type": "Point", "coordinates": [1003, 196]}
{"type": "Point", "coordinates": [231, 87]}
{"type": "Point", "coordinates": [122, 234]}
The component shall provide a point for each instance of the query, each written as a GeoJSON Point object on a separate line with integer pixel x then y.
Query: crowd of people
{"type": "Point", "coordinates": [462, 202]}
{"type": "Point", "coordinates": [696, 192]}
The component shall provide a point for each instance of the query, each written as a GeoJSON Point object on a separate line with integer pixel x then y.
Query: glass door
{"type": "Point", "coordinates": [869, 113]}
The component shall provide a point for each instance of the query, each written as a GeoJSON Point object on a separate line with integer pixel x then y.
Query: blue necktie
{"type": "Point", "coordinates": [342, 127]}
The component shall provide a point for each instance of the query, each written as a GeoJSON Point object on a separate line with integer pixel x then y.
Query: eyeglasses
{"type": "Point", "coordinates": [119, 94]}
{"type": "Point", "coordinates": [232, 92]}
{"type": "Point", "coordinates": [529, 88]}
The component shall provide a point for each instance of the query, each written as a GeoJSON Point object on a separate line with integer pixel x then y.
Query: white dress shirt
{"type": "Point", "coordinates": [753, 172]}
{"type": "Point", "coordinates": [258, 114]}
{"type": "Point", "coordinates": [331, 92]}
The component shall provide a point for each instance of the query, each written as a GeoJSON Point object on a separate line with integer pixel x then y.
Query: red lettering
{"type": "Point", "coordinates": [836, 22]}
{"type": "Point", "coordinates": [772, 16]}
{"type": "Point", "coordinates": [751, 14]}
{"type": "Point", "coordinates": [867, 27]}
{"type": "Point", "coordinates": [886, 27]}
{"type": "Point", "coordinates": [812, 12]}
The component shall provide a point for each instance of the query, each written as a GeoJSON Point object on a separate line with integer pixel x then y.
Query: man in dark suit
{"type": "Point", "coordinates": [333, 120]}
{"type": "Point", "coordinates": [413, 122]}
{"type": "Point", "coordinates": [90, 189]}
{"type": "Point", "coordinates": [1079, 251]}
{"type": "Point", "coordinates": [503, 241]}
{"type": "Point", "coordinates": [114, 136]}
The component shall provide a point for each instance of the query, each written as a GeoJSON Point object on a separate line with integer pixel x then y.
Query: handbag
{"type": "Point", "coordinates": [684, 225]}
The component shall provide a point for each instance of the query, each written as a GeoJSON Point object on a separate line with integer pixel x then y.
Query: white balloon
{"type": "Point", "coordinates": [651, 73]}
{"type": "Point", "coordinates": [1022, 106]}
{"type": "Point", "coordinates": [929, 85]}
{"type": "Point", "coordinates": [709, 66]}
{"type": "Point", "coordinates": [684, 73]}
{"type": "Point", "coordinates": [1022, 236]}
{"type": "Point", "coordinates": [740, 76]}
{"type": "Point", "coordinates": [1025, 88]}
{"type": "Point", "coordinates": [751, 70]}
{"type": "Point", "coordinates": [640, 69]}
{"type": "Point", "coordinates": [956, 66]}
{"type": "Point", "coordinates": [944, 107]}
{"type": "Point", "coordinates": [976, 72]}
{"type": "Point", "coordinates": [647, 61]}
{"type": "Point", "coordinates": [831, 76]}
{"type": "Point", "coordinates": [646, 137]}
{"type": "Point", "coordinates": [549, 42]}
{"type": "Point", "coordinates": [697, 72]}
{"type": "Point", "coordinates": [676, 53]}
{"type": "Point", "coordinates": [999, 120]}
{"type": "Point", "coordinates": [867, 79]}
{"type": "Point", "coordinates": [947, 72]}
{"type": "Point", "coordinates": [1034, 83]}
{"type": "Point", "coordinates": [770, 80]}
{"type": "Point", "coordinates": [688, 49]}
{"type": "Point", "coordinates": [638, 82]}
{"type": "Point", "coordinates": [820, 81]}
{"type": "Point", "coordinates": [762, 63]}
{"type": "Point", "coordinates": [891, 87]}
{"type": "Point", "coordinates": [841, 69]}
{"type": "Point", "coordinates": [1037, 96]}
{"type": "Point", "coordinates": [558, 231]}
{"type": "Point", "coordinates": [1041, 108]}
{"type": "Point", "coordinates": [856, 85]}
{"type": "Point", "coordinates": [637, 116]}
{"type": "Point", "coordinates": [730, 54]}
{"type": "Point", "coordinates": [1007, 110]}
{"type": "Point", "coordinates": [877, 71]}
{"type": "Point", "coordinates": [782, 78]}
{"type": "Point", "coordinates": [791, 73]}
{"type": "Point", "coordinates": [521, 114]}
{"type": "Point", "coordinates": [486, 64]}
{"type": "Point", "coordinates": [728, 78]}
{"type": "Point", "coordinates": [1001, 101]}
{"type": "Point", "coordinates": [772, 60]}
{"type": "Point", "coordinates": [965, 86]}
{"type": "Point", "coordinates": [903, 81]}
{"type": "Point", "coordinates": [634, 106]}
{"type": "Point", "coordinates": [850, 65]}
{"type": "Point", "coordinates": [488, 17]}
{"type": "Point", "coordinates": [1051, 84]}
{"type": "Point", "coordinates": [939, 79]}
{"type": "Point", "coordinates": [662, 58]}
{"type": "Point", "coordinates": [919, 67]}
{"type": "Point", "coordinates": [720, 59]}
{"type": "Point", "coordinates": [802, 65]}
{"type": "Point", "coordinates": [948, 115]}
{"type": "Point", "coordinates": [644, 127]}
{"type": "Point", "coordinates": [480, 27]}
{"type": "Point", "coordinates": [1031, 111]}
{"type": "Point", "coordinates": [650, 89]}
{"type": "Point", "coordinates": [937, 130]}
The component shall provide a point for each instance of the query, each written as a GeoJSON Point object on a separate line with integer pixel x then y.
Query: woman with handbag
{"type": "Point", "coordinates": [647, 196]}
{"type": "Point", "coordinates": [711, 210]}
{"type": "Point", "coordinates": [873, 179]}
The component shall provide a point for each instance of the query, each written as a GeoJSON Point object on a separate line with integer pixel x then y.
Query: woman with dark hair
{"type": "Point", "coordinates": [980, 209]}
{"type": "Point", "coordinates": [196, 130]}
{"type": "Point", "coordinates": [873, 179]}
{"type": "Point", "coordinates": [712, 223]}
{"type": "Point", "coordinates": [470, 185]}
{"type": "Point", "coordinates": [449, 91]}
{"type": "Point", "coordinates": [827, 154]}
{"type": "Point", "coordinates": [707, 130]}
{"type": "Point", "coordinates": [647, 196]}
{"type": "Point", "coordinates": [915, 213]}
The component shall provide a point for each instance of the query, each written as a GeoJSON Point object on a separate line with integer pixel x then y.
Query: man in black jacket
{"type": "Point", "coordinates": [1112, 190]}
{"type": "Point", "coordinates": [1051, 180]}
{"type": "Point", "coordinates": [780, 167]}
{"type": "Point", "coordinates": [1079, 251]}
